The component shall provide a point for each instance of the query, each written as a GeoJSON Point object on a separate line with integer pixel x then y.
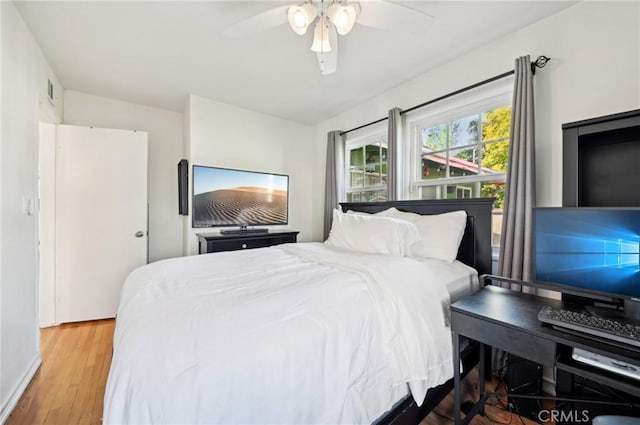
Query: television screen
{"type": "Point", "coordinates": [226, 197]}
{"type": "Point", "coordinates": [597, 250]}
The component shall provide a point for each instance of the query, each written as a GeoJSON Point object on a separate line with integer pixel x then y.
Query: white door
{"type": "Point", "coordinates": [101, 218]}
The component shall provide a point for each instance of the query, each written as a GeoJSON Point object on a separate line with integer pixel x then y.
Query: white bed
{"type": "Point", "coordinates": [299, 333]}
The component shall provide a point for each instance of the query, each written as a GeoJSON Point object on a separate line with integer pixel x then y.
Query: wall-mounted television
{"type": "Point", "coordinates": [228, 197]}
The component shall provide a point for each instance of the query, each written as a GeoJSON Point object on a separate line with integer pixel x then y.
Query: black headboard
{"type": "Point", "coordinates": [475, 248]}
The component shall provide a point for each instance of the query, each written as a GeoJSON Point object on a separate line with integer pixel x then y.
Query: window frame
{"type": "Point", "coordinates": [377, 135]}
{"type": "Point", "coordinates": [418, 122]}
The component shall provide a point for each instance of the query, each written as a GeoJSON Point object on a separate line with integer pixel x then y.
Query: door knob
{"type": "Point", "coordinates": [139, 234]}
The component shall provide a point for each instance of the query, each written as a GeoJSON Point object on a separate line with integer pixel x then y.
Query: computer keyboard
{"type": "Point", "coordinates": [625, 333]}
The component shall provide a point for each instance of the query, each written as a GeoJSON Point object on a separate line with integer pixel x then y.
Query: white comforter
{"type": "Point", "coordinates": [295, 334]}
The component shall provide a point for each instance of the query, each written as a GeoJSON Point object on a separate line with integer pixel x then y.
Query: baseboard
{"type": "Point", "coordinates": [13, 399]}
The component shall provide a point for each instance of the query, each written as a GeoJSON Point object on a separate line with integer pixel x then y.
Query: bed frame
{"type": "Point", "coordinates": [474, 251]}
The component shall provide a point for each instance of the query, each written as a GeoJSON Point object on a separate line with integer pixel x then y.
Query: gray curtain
{"type": "Point", "coordinates": [520, 193]}
{"type": "Point", "coordinates": [393, 148]}
{"type": "Point", "coordinates": [333, 176]}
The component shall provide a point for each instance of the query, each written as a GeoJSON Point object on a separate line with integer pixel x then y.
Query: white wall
{"type": "Point", "coordinates": [165, 150]}
{"type": "Point", "coordinates": [24, 87]}
{"type": "Point", "coordinates": [595, 70]}
{"type": "Point", "coordinates": [186, 148]}
{"type": "Point", "coordinates": [227, 136]}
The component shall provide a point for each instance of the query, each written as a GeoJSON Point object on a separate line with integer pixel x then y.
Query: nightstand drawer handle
{"type": "Point", "coordinates": [244, 245]}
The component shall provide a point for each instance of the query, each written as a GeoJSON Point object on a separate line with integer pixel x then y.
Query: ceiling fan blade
{"type": "Point", "coordinates": [257, 23]}
{"type": "Point", "coordinates": [328, 61]}
{"type": "Point", "coordinates": [386, 15]}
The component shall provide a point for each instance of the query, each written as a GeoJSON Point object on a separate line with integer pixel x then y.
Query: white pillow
{"type": "Point", "coordinates": [379, 213]}
{"type": "Point", "coordinates": [440, 234]}
{"type": "Point", "coordinates": [372, 234]}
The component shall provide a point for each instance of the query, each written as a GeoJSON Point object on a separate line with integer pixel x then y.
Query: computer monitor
{"type": "Point", "coordinates": [590, 252]}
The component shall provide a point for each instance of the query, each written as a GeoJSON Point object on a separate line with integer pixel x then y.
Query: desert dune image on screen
{"type": "Point", "coordinates": [224, 197]}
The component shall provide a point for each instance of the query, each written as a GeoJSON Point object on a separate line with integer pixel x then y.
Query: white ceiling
{"type": "Point", "coordinates": [156, 53]}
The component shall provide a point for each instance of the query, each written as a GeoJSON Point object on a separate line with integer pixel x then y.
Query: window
{"type": "Point", "coordinates": [367, 169]}
{"type": "Point", "coordinates": [464, 157]}
{"type": "Point", "coordinates": [456, 149]}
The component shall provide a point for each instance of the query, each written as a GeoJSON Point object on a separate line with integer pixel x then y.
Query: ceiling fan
{"type": "Point", "coordinates": [333, 18]}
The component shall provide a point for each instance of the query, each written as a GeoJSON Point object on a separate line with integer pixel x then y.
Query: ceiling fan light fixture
{"type": "Point", "coordinates": [321, 37]}
{"type": "Point", "coordinates": [301, 16]}
{"type": "Point", "coordinates": [343, 16]}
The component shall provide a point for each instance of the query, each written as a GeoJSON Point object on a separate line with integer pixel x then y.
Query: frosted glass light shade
{"type": "Point", "coordinates": [321, 37]}
{"type": "Point", "coordinates": [343, 16]}
{"type": "Point", "coordinates": [300, 17]}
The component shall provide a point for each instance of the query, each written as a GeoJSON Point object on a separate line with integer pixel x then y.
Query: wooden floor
{"type": "Point", "coordinates": [495, 409]}
{"type": "Point", "coordinates": [69, 387]}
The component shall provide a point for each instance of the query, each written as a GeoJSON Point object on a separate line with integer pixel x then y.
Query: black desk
{"type": "Point", "coordinates": [508, 320]}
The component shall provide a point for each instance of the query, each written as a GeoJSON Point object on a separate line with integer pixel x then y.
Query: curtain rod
{"type": "Point", "coordinates": [540, 62]}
